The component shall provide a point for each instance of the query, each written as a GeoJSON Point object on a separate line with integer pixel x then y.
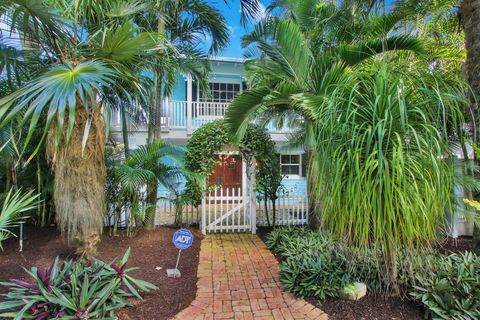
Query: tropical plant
{"type": "Point", "coordinates": [321, 275]}
{"type": "Point", "coordinates": [184, 24]}
{"type": "Point", "coordinates": [14, 204]}
{"type": "Point", "coordinates": [86, 53]}
{"type": "Point", "coordinates": [375, 134]}
{"type": "Point", "coordinates": [14, 174]}
{"type": "Point", "coordinates": [73, 290]}
{"type": "Point", "coordinates": [157, 162]}
{"type": "Point", "coordinates": [451, 289]}
{"type": "Point", "coordinates": [308, 255]}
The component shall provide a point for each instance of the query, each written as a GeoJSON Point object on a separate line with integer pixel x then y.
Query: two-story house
{"type": "Point", "coordinates": [188, 109]}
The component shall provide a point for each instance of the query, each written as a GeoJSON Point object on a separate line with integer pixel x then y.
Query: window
{"type": "Point", "coordinates": [291, 165]}
{"type": "Point", "coordinates": [221, 92]}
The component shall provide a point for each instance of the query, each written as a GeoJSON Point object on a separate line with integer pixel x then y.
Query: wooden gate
{"type": "Point", "coordinates": [231, 206]}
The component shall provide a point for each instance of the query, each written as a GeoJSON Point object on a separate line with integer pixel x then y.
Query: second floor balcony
{"type": "Point", "coordinates": [181, 118]}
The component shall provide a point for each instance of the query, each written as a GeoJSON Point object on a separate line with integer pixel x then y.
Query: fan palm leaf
{"type": "Point", "coordinates": [14, 204]}
{"type": "Point", "coordinates": [57, 93]}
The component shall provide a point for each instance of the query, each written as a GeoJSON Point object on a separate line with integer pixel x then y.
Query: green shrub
{"type": "Point", "coordinates": [304, 245]}
{"type": "Point", "coordinates": [73, 290]}
{"type": "Point", "coordinates": [314, 275]}
{"type": "Point", "coordinates": [279, 235]}
{"type": "Point", "coordinates": [451, 289]}
{"type": "Point", "coordinates": [311, 264]}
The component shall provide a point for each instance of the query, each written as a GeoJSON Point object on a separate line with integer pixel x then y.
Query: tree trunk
{"type": "Point", "coordinates": [154, 134]}
{"type": "Point", "coordinates": [265, 204]}
{"type": "Point", "coordinates": [126, 144]}
{"type": "Point", "coordinates": [470, 20]}
{"type": "Point", "coordinates": [79, 182]}
{"type": "Point", "coordinates": [274, 213]}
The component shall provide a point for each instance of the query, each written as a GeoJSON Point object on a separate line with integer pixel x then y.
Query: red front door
{"type": "Point", "coordinates": [227, 173]}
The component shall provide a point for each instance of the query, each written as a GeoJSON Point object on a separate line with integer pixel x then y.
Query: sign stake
{"type": "Point", "coordinates": [182, 239]}
{"type": "Point", "coordinates": [178, 258]}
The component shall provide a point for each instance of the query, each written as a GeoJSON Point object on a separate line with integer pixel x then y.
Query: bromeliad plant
{"type": "Point", "coordinates": [73, 290]}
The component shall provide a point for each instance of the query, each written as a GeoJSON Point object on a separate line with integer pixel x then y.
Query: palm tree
{"type": "Point", "coordinates": [185, 24]}
{"type": "Point", "coordinates": [375, 175]}
{"type": "Point", "coordinates": [147, 165]}
{"type": "Point", "coordinates": [88, 50]}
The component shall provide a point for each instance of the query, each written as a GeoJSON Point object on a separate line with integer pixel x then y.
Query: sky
{"type": "Point", "coordinates": [231, 12]}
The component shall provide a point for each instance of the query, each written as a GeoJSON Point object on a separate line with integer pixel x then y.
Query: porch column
{"type": "Point", "coordinates": [189, 104]}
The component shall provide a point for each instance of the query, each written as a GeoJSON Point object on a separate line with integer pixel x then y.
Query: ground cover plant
{"type": "Point", "coordinates": [317, 264]}
{"type": "Point", "coordinates": [73, 290]}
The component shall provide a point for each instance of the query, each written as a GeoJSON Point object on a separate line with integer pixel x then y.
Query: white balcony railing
{"type": "Point", "coordinates": [189, 115]}
{"type": "Point", "coordinates": [186, 115]}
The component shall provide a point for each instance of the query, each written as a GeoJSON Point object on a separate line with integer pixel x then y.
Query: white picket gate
{"type": "Point", "coordinates": [228, 210]}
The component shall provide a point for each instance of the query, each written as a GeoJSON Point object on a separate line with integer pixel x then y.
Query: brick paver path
{"type": "Point", "coordinates": [238, 278]}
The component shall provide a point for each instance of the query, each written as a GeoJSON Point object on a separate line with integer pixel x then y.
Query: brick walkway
{"type": "Point", "coordinates": [238, 278]}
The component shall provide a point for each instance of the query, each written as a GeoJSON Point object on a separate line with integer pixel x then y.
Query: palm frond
{"type": "Point", "coordinates": [60, 90]}
{"type": "Point", "coordinates": [353, 54]}
{"type": "Point", "coordinates": [14, 204]}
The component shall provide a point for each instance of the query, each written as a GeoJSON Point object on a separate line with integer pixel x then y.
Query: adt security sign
{"type": "Point", "coordinates": [182, 239]}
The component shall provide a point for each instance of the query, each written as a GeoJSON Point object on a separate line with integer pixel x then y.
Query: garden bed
{"type": "Point", "coordinates": [150, 250]}
{"type": "Point", "coordinates": [377, 306]}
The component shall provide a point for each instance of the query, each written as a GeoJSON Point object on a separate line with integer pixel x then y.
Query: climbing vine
{"type": "Point", "coordinates": [256, 144]}
{"type": "Point", "coordinates": [204, 143]}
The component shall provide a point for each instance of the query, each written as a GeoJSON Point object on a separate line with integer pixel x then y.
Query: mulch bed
{"type": "Point", "coordinates": [458, 245]}
{"type": "Point", "coordinates": [149, 250]}
{"type": "Point", "coordinates": [371, 307]}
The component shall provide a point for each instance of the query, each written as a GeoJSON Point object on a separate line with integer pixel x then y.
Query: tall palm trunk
{"type": "Point", "coordinates": [470, 19]}
{"type": "Point", "coordinates": [125, 132]}
{"type": "Point", "coordinates": [154, 134]}
{"type": "Point", "coordinates": [79, 182]}
{"type": "Point", "coordinates": [154, 131]}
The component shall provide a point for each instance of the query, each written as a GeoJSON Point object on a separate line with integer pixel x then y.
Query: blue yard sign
{"type": "Point", "coordinates": [182, 239]}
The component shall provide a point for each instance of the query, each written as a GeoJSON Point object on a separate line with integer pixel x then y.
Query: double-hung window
{"type": "Point", "coordinates": [292, 166]}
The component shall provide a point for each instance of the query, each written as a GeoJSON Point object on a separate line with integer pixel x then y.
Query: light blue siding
{"type": "Point", "coordinates": [179, 90]}
{"type": "Point", "coordinates": [299, 185]}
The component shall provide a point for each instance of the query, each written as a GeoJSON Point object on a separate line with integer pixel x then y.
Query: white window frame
{"type": "Point", "coordinates": [220, 81]}
{"type": "Point", "coordinates": [292, 176]}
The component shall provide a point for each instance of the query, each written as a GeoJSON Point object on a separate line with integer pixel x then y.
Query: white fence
{"type": "Point", "coordinates": [291, 208]}
{"type": "Point", "coordinates": [228, 210]}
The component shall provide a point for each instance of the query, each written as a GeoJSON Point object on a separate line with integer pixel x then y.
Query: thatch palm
{"type": "Point", "coordinates": [66, 100]}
